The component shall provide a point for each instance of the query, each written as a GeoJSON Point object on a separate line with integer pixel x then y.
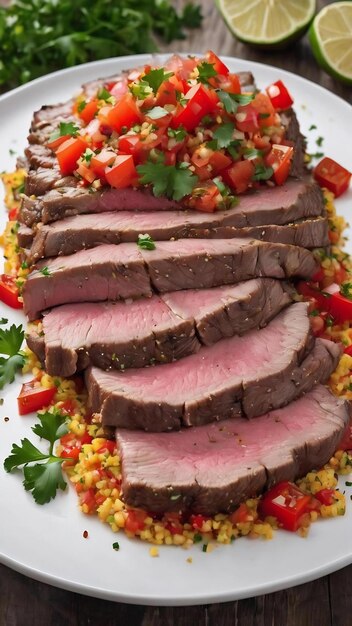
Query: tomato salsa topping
{"type": "Point", "coordinates": [185, 131]}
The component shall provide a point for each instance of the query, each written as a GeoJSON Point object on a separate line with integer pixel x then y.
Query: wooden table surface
{"type": "Point", "coordinates": [324, 602]}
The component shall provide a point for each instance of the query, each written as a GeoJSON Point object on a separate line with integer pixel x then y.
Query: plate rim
{"type": "Point", "coordinates": [181, 599]}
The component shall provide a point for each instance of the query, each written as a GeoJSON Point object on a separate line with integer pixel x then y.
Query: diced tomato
{"type": "Point", "coordinates": [346, 441]}
{"type": "Point", "coordinates": [170, 157]}
{"type": "Point", "coordinates": [326, 496]}
{"type": "Point", "coordinates": [264, 107]}
{"type": "Point", "coordinates": [288, 504]}
{"type": "Point", "coordinates": [261, 143]}
{"type": "Point", "coordinates": [85, 171]}
{"type": "Point", "coordinates": [89, 111]}
{"type": "Point", "coordinates": [124, 114]}
{"type": "Point", "coordinates": [13, 213]}
{"type": "Point", "coordinates": [100, 161]}
{"type": "Point", "coordinates": [135, 520]}
{"type": "Point", "coordinates": [33, 397]}
{"type": "Point", "coordinates": [167, 92]}
{"type": "Point", "coordinates": [9, 292]}
{"type": "Point", "coordinates": [122, 173]}
{"type": "Point", "coordinates": [246, 119]}
{"type": "Point", "coordinates": [320, 298]}
{"type": "Point", "coordinates": [219, 161]}
{"type": "Point", "coordinates": [219, 66]}
{"type": "Point", "coordinates": [200, 102]}
{"type": "Point", "coordinates": [53, 145]}
{"type": "Point", "coordinates": [348, 350]}
{"type": "Point", "coordinates": [130, 144]}
{"type": "Point", "coordinates": [201, 156]}
{"type": "Point", "coordinates": [108, 446]}
{"type": "Point", "coordinates": [68, 154]}
{"type": "Point", "coordinates": [241, 514]}
{"type": "Point", "coordinates": [205, 198]}
{"type": "Point", "coordinates": [197, 521]}
{"type": "Point", "coordinates": [239, 175]}
{"type": "Point", "coordinates": [279, 96]}
{"type": "Point", "coordinates": [279, 158]}
{"type": "Point", "coordinates": [202, 172]}
{"type": "Point", "coordinates": [87, 498]}
{"type": "Point", "coordinates": [333, 176]}
{"type": "Point", "coordinates": [182, 67]}
{"type": "Point", "coordinates": [67, 407]}
{"type": "Point", "coordinates": [72, 445]}
{"type": "Point", "coordinates": [230, 83]}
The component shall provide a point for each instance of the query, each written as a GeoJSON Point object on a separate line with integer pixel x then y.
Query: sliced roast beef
{"type": "Point", "coordinates": [50, 113]}
{"type": "Point", "coordinates": [87, 231]}
{"type": "Point", "coordinates": [297, 199]}
{"type": "Point", "coordinates": [157, 329]}
{"type": "Point", "coordinates": [110, 272]}
{"type": "Point", "coordinates": [290, 122]}
{"type": "Point", "coordinates": [246, 375]}
{"type": "Point", "coordinates": [40, 180]}
{"type": "Point", "coordinates": [216, 467]}
{"type": "Point", "coordinates": [40, 156]}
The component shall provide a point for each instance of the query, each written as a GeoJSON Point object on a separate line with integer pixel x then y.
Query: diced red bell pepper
{"type": "Point", "coordinates": [279, 158]}
{"type": "Point", "coordinates": [124, 114]}
{"type": "Point", "coordinates": [239, 175]}
{"type": "Point", "coordinates": [288, 504]}
{"type": "Point", "coordinates": [340, 308]}
{"type": "Point", "coordinates": [200, 102]}
{"type": "Point", "coordinates": [279, 95]}
{"type": "Point", "coordinates": [89, 111]}
{"type": "Point", "coordinates": [197, 520]}
{"type": "Point", "coordinates": [9, 292]}
{"type": "Point", "coordinates": [167, 92]}
{"type": "Point", "coordinates": [13, 213]}
{"type": "Point", "coordinates": [333, 176]}
{"type": "Point", "coordinates": [100, 161]}
{"type": "Point", "coordinates": [87, 498]}
{"type": "Point", "coordinates": [219, 66]}
{"type": "Point", "coordinates": [108, 446]}
{"type": "Point", "coordinates": [33, 398]}
{"type": "Point", "coordinates": [122, 173]}
{"type": "Point", "coordinates": [68, 154]}
{"type": "Point", "coordinates": [246, 119]}
{"type": "Point", "coordinates": [348, 350]}
{"type": "Point", "coordinates": [219, 161]}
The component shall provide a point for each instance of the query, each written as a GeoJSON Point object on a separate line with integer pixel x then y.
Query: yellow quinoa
{"type": "Point", "coordinates": [96, 473]}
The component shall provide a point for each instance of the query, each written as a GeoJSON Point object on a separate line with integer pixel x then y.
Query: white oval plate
{"type": "Point", "coordinates": [46, 542]}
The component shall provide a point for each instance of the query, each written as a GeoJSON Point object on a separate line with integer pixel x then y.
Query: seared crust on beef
{"type": "Point", "coordinates": [158, 329]}
{"type": "Point", "coordinates": [110, 272]}
{"type": "Point", "coordinates": [216, 467]}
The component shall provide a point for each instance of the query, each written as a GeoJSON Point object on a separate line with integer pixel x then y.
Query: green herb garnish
{"type": "Point", "coordinates": [116, 546]}
{"type": "Point", "coordinates": [231, 101]}
{"type": "Point", "coordinates": [42, 471]}
{"type": "Point", "coordinates": [206, 71]}
{"type": "Point", "coordinates": [172, 181]}
{"type": "Point", "coordinates": [11, 340]}
{"type": "Point", "coordinates": [146, 242]}
{"type": "Point", "coordinates": [155, 78]}
{"type": "Point", "coordinates": [262, 173]}
{"type": "Point", "coordinates": [45, 271]}
{"type": "Point", "coordinates": [65, 128]}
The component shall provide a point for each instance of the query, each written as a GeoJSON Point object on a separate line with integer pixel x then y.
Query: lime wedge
{"type": "Point", "coordinates": [331, 38]}
{"type": "Point", "coordinates": [267, 23]}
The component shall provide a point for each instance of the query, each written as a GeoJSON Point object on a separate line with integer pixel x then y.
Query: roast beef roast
{"type": "Point", "coordinates": [214, 468]}
{"type": "Point", "coordinates": [158, 329]}
{"type": "Point", "coordinates": [246, 375]}
{"type": "Point", "coordinates": [110, 272]}
{"type": "Point", "coordinates": [297, 199]}
{"type": "Point", "coordinates": [87, 231]}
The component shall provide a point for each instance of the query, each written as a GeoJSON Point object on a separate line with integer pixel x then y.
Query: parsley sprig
{"type": "Point", "coordinates": [11, 340]}
{"type": "Point", "coordinates": [42, 471]}
{"type": "Point", "coordinates": [173, 181]}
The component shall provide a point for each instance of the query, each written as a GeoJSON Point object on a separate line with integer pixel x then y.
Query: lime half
{"type": "Point", "coordinates": [267, 23]}
{"type": "Point", "coordinates": [331, 39]}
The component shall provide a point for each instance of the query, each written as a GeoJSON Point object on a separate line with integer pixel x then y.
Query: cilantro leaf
{"type": "Point", "coordinates": [9, 367]}
{"type": "Point", "coordinates": [346, 290]}
{"type": "Point", "coordinates": [65, 128]}
{"type": "Point", "coordinates": [140, 89]}
{"type": "Point", "coordinates": [172, 181]}
{"type": "Point", "coordinates": [231, 101]}
{"type": "Point", "coordinates": [45, 271]}
{"type": "Point", "coordinates": [155, 78]}
{"type": "Point", "coordinates": [81, 106]}
{"type": "Point", "coordinates": [52, 426]}
{"type": "Point", "coordinates": [21, 455]}
{"type": "Point", "coordinates": [3, 320]}
{"type": "Point", "coordinates": [252, 153]}
{"type": "Point", "coordinates": [156, 113]}
{"type": "Point", "coordinates": [104, 94]}
{"type": "Point", "coordinates": [45, 477]}
{"type": "Point", "coordinates": [146, 242]}
{"type": "Point", "coordinates": [43, 480]}
{"type": "Point", "coordinates": [262, 173]}
{"type": "Point", "coordinates": [11, 340]}
{"type": "Point", "coordinates": [177, 133]}
{"type": "Point", "coordinates": [224, 135]}
{"type": "Point", "coordinates": [206, 71]}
